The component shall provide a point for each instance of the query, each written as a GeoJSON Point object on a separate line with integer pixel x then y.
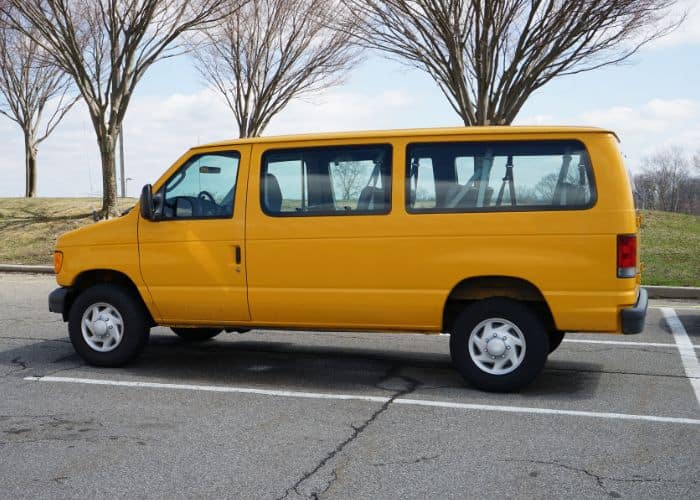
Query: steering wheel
{"type": "Point", "coordinates": [203, 195]}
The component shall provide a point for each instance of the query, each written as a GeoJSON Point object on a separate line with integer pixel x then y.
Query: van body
{"type": "Point", "coordinates": [505, 237]}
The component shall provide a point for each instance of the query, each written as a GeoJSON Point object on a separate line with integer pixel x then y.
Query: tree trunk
{"type": "Point", "coordinates": [109, 176]}
{"type": "Point", "coordinates": [243, 128]}
{"type": "Point", "coordinates": [30, 152]}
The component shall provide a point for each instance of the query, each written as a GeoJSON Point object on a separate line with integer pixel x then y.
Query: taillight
{"type": "Point", "coordinates": [626, 255]}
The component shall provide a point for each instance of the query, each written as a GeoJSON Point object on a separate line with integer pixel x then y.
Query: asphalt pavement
{"type": "Point", "coordinates": [274, 414]}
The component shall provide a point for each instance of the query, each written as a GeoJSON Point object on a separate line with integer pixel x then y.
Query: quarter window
{"type": "Point", "coordinates": [327, 181]}
{"type": "Point", "coordinates": [508, 175]}
{"type": "Point", "coordinates": [204, 187]}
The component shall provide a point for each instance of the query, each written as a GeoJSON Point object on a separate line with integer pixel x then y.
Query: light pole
{"type": "Point", "coordinates": [121, 161]}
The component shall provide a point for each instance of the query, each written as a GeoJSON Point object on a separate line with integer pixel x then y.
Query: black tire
{"type": "Point", "coordinates": [555, 338]}
{"type": "Point", "coordinates": [134, 329]}
{"type": "Point", "coordinates": [196, 334]}
{"type": "Point", "coordinates": [530, 360]}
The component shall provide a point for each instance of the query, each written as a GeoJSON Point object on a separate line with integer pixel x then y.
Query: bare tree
{"type": "Point", "coordinates": [28, 84]}
{"type": "Point", "coordinates": [271, 51]}
{"type": "Point", "coordinates": [348, 175]}
{"type": "Point", "coordinates": [545, 188]}
{"type": "Point", "coordinates": [644, 191]}
{"type": "Point", "coordinates": [665, 182]}
{"type": "Point", "coordinates": [689, 196]}
{"type": "Point", "coordinates": [489, 56]}
{"type": "Point", "coordinates": [106, 46]}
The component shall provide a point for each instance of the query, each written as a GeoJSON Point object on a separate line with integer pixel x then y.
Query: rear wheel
{"type": "Point", "coordinates": [196, 334]}
{"type": "Point", "coordinates": [107, 325]}
{"type": "Point", "coordinates": [498, 345]}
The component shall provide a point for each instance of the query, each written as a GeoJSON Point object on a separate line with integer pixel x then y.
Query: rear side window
{"type": "Point", "coordinates": [491, 176]}
{"type": "Point", "coordinates": [339, 180]}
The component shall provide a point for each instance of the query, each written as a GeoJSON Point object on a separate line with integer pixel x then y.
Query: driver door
{"type": "Point", "coordinates": [192, 257]}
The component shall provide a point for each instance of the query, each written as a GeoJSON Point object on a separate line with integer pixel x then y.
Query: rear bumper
{"type": "Point", "coordinates": [58, 301]}
{"type": "Point", "coordinates": [633, 317]}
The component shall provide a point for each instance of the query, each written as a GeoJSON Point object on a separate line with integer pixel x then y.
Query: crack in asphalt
{"type": "Point", "coordinates": [16, 366]}
{"type": "Point", "coordinates": [37, 429]}
{"type": "Point", "coordinates": [18, 362]}
{"type": "Point", "coordinates": [424, 458]}
{"type": "Point", "coordinates": [598, 478]}
{"type": "Point", "coordinates": [66, 341]}
{"type": "Point", "coordinates": [72, 438]}
{"type": "Point", "coordinates": [29, 320]}
{"type": "Point", "coordinates": [411, 385]}
{"type": "Point", "coordinates": [612, 372]}
{"type": "Point", "coordinates": [315, 495]}
{"type": "Point", "coordinates": [59, 370]}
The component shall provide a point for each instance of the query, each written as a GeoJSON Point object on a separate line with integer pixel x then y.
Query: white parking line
{"type": "Point", "coordinates": [628, 343]}
{"type": "Point", "coordinates": [685, 348]}
{"type": "Point", "coordinates": [676, 306]}
{"type": "Point", "coordinates": [625, 343]}
{"type": "Point", "coordinates": [209, 388]}
{"type": "Point", "coordinates": [374, 399]}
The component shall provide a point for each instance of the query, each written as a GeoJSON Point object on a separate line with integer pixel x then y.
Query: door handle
{"type": "Point", "coordinates": [238, 254]}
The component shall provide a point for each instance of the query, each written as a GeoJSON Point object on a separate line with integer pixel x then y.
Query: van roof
{"type": "Point", "coordinates": [416, 132]}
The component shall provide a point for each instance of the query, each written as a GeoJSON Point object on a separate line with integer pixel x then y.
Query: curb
{"type": "Point", "coordinates": [19, 268]}
{"type": "Point", "coordinates": [655, 292]}
{"type": "Point", "coordinates": [673, 292]}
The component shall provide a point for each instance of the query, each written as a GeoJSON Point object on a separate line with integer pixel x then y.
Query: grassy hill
{"type": "Point", "coordinates": [670, 249]}
{"type": "Point", "coordinates": [29, 227]}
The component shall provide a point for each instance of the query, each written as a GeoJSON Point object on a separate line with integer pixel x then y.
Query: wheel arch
{"type": "Point", "coordinates": [476, 288]}
{"type": "Point", "coordinates": [87, 279]}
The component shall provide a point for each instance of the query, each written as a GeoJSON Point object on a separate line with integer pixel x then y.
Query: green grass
{"type": "Point", "coordinates": [670, 249]}
{"type": "Point", "coordinates": [29, 228]}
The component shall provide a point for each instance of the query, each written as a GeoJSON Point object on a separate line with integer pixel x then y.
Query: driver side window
{"type": "Point", "coordinates": [203, 188]}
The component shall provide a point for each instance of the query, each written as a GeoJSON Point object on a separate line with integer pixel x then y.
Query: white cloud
{"type": "Point", "coordinates": [158, 130]}
{"type": "Point", "coordinates": [643, 129]}
{"type": "Point", "coordinates": [537, 120]}
{"type": "Point", "coordinates": [655, 116]}
{"type": "Point", "coordinates": [342, 111]}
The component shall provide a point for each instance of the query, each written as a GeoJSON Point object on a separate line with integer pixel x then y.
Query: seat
{"type": "Point", "coordinates": [371, 198]}
{"type": "Point", "coordinates": [272, 194]}
{"type": "Point", "coordinates": [571, 195]}
{"type": "Point", "coordinates": [466, 196]}
{"type": "Point", "coordinates": [472, 195]}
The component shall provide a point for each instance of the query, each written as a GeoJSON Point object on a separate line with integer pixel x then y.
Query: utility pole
{"type": "Point", "coordinates": [121, 161]}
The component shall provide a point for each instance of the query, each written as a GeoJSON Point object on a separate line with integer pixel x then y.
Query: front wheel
{"type": "Point", "coordinates": [499, 345]}
{"type": "Point", "coordinates": [555, 339]}
{"type": "Point", "coordinates": [107, 325]}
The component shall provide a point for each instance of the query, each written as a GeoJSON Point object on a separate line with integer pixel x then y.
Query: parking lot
{"type": "Point", "coordinates": [343, 415]}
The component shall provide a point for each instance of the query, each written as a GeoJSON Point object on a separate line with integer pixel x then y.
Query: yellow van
{"type": "Point", "coordinates": [505, 237]}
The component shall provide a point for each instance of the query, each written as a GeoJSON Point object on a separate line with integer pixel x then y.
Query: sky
{"type": "Point", "coordinates": [652, 101]}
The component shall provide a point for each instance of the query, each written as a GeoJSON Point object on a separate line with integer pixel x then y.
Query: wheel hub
{"type": "Point", "coordinates": [99, 327]}
{"type": "Point", "coordinates": [102, 327]}
{"type": "Point", "coordinates": [496, 347]}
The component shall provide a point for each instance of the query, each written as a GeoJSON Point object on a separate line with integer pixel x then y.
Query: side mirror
{"type": "Point", "coordinates": [148, 210]}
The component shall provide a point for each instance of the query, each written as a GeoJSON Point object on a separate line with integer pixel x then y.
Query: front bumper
{"type": "Point", "coordinates": [59, 301]}
{"type": "Point", "coordinates": [633, 317]}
